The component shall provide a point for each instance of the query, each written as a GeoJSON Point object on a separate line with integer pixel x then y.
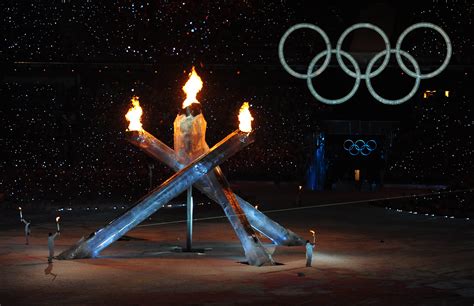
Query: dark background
{"type": "Point", "coordinates": [69, 68]}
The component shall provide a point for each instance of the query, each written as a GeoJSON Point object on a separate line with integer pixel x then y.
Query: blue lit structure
{"type": "Point", "coordinates": [316, 175]}
{"type": "Point", "coordinates": [359, 146]}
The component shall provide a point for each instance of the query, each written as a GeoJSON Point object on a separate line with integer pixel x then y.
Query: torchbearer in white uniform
{"type": "Point", "coordinates": [309, 253]}
{"type": "Point", "coordinates": [27, 230]}
{"type": "Point", "coordinates": [51, 239]}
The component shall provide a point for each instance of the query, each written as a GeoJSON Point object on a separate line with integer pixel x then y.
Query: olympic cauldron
{"type": "Point", "coordinates": [195, 164]}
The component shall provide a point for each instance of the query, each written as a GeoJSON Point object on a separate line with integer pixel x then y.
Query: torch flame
{"type": "Point", "coordinates": [134, 115]}
{"type": "Point", "coordinates": [19, 208]}
{"type": "Point", "coordinates": [57, 219]}
{"type": "Point", "coordinates": [312, 232]}
{"type": "Point", "coordinates": [245, 118]}
{"type": "Point", "coordinates": [191, 88]}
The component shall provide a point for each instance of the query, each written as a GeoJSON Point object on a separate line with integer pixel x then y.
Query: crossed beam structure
{"type": "Point", "coordinates": [189, 143]}
{"type": "Point", "coordinates": [215, 186]}
{"type": "Point", "coordinates": [176, 184]}
{"type": "Point", "coordinates": [207, 176]}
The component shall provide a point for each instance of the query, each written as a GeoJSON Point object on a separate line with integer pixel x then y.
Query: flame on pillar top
{"type": "Point", "coordinates": [134, 115]}
{"type": "Point", "coordinates": [312, 232]}
{"type": "Point", "coordinates": [191, 88]}
{"type": "Point", "coordinates": [57, 219]}
{"type": "Point", "coordinates": [245, 118]}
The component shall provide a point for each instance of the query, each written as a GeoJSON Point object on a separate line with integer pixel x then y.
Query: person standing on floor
{"type": "Point", "coordinates": [27, 230]}
{"type": "Point", "coordinates": [309, 253]}
{"type": "Point", "coordinates": [51, 238]}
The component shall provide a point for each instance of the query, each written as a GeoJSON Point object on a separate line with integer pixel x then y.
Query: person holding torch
{"type": "Point", "coordinates": [51, 239]}
{"type": "Point", "coordinates": [27, 230]}
{"type": "Point", "coordinates": [309, 249]}
{"type": "Point", "coordinates": [27, 226]}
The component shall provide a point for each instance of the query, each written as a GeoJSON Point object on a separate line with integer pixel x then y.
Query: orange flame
{"type": "Point", "coordinates": [57, 219]}
{"type": "Point", "coordinates": [312, 232]}
{"type": "Point", "coordinates": [245, 118]}
{"type": "Point", "coordinates": [191, 88]}
{"type": "Point", "coordinates": [134, 115]}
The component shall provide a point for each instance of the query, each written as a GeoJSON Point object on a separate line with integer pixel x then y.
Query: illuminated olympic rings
{"type": "Point", "coordinates": [359, 146]}
{"type": "Point", "coordinates": [327, 53]}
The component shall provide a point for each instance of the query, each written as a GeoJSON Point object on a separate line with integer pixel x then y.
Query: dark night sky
{"type": "Point", "coordinates": [69, 70]}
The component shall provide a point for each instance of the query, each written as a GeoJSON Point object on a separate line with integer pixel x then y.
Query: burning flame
{"type": "Point", "coordinates": [191, 88]}
{"type": "Point", "coordinates": [245, 118]}
{"type": "Point", "coordinates": [312, 232]}
{"type": "Point", "coordinates": [57, 219]}
{"type": "Point", "coordinates": [134, 115]}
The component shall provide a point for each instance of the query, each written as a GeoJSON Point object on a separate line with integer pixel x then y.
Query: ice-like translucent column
{"type": "Point", "coordinates": [259, 221]}
{"type": "Point", "coordinates": [171, 188]}
{"type": "Point", "coordinates": [190, 143]}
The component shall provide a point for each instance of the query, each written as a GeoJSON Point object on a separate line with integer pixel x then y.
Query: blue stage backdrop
{"type": "Point", "coordinates": [316, 174]}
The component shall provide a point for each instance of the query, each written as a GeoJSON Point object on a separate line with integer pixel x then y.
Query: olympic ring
{"type": "Point", "coordinates": [368, 72]}
{"type": "Point", "coordinates": [396, 101]}
{"type": "Point", "coordinates": [282, 44]}
{"type": "Point", "coordinates": [354, 27]}
{"type": "Point", "coordinates": [340, 100]}
{"type": "Point", "coordinates": [449, 49]}
{"type": "Point", "coordinates": [359, 146]}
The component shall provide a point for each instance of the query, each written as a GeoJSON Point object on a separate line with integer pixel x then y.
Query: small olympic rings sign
{"type": "Point", "coordinates": [359, 147]}
{"type": "Point", "coordinates": [356, 73]}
